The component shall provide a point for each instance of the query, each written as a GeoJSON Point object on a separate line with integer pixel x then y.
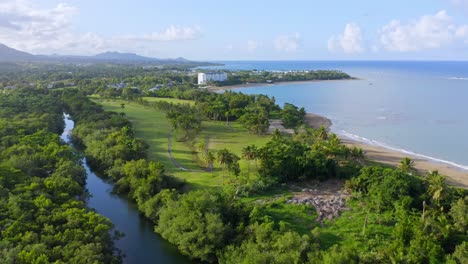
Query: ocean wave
{"type": "Point", "coordinates": [458, 78]}
{"type": "Point", "coordinates": [411, 153]}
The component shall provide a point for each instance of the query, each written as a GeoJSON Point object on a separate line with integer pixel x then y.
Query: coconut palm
{"type": "Point", "coordinates": [322, 133]}
{"type": "Point", "coordinates": [250, 153]}
{"type": "Point", "coordinates": [201, 147]}
{"type": "Point", "coordinates": [436, 186]}
{"type": "Point", "coordinates": [357, 154]}
{"type": "Point", "coordinates": [407, 165]}
{"type": "Point", "coordinates": [209, 158]}
{"type": "Point", "coordinates": [224, 158]}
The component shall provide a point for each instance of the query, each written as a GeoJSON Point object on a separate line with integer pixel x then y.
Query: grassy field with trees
{"type": "Point", "coordinates": [263, 202]}
{"type": "Point", "coordinates": [152, 126]}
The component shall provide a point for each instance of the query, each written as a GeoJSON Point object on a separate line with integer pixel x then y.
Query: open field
{"type": "Point", "coordinates": [152, 126]}
{"type": "Point", "coordinates": [169, 100]}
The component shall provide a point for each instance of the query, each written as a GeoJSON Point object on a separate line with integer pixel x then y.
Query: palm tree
{"type": "Point", "coordinates": [357, 154]}
{"type": "Point", "coordinates": [322, 133]}
{"type": "Point", "coordinates": [223, 157]}
{"type": "Point", "coordinates": [250, 153]}
{"type": "Point", "coordinates": [209, 158]}
{"type": "Point", "coordinates": [436, 186]}
{"type": "Point", "coordinates": [201, 147]}
{"type": "Point", "coordinates": [407, 165]}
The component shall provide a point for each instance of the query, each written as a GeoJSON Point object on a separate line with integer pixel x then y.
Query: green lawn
{"type": "Point", "coordinates": [152, 126]}
{"type": "Point", "coordinates": [169, 100]}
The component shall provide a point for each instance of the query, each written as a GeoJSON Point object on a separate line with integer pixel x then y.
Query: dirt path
{"type": "Point", "coordinates": [169, 151]}
{"type": "Point", "coordinates": [210, 164]}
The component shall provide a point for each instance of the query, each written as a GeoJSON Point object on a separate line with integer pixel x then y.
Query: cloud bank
{"type": "Point", "coordinates": [427, 32]}
{"type": "Point", "coordinates": [424, 33]}
{"type": "Point", "coordinates": [25, 27]}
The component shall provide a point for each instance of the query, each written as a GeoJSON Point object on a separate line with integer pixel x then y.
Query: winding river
{"type": "Point", "coordinates": [140, 243]}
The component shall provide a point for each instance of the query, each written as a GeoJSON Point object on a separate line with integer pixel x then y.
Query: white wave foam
{"type": "Point", "coordinates": [411, 153]}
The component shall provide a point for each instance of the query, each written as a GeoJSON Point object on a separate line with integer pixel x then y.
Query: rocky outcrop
{"type": "Point", "coordinates": [327, 205]}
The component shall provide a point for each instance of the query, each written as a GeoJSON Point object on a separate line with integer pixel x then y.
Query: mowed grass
{"type": "Point", "coordinates": [152, 126]}
{"type": "Point", "coordinates": [233, 137]}
{"type": "Point", "coordinates": [169, 100]}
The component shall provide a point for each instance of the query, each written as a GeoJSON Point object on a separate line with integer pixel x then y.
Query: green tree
{"type": "Point", "coordinates": [407, 165]}
{"type": "Point", "coordinates": [250, 153]}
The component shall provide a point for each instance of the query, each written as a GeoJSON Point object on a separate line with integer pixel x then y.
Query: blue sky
{"type": "Point", "coordinates": [241, 30]}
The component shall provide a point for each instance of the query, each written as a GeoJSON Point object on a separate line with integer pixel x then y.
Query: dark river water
{"type": "Point", "coordinates": [140, 243]}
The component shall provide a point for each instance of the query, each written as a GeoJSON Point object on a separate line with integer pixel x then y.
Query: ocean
{"type": "Point", "coordinates": [416, 107]}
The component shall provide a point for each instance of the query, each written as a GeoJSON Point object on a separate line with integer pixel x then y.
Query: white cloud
{"type": "Point", "coordinates": [39, 30]}
{"type": "Point", "coordinates": [350, 41]}
{"type": "Point", "coordinates": [252, 45]}
{"type": "Point", "coordinates": [172, 33]}
{"type": "Point", "coordinates": [427, 32]}
{"type": "Point", "coordinates": [288, 43]}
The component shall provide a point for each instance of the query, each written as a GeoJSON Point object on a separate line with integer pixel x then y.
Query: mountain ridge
{"type": "Point", "coordinates": [8, 54]}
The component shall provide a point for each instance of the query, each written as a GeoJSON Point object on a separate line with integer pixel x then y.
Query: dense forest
{"type": "Point", "coordinates": [43, 213]}
{"type": "Point", "coordinates": [402, 217]}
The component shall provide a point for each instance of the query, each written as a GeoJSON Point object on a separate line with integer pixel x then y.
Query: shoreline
{"type": "Point", "coordinates": [249, 85]}
{"type": "Point", "coordinates": [454, 175]}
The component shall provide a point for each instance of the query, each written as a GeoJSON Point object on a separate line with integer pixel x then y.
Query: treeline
{"type": "Point", "coordinates": [253, 111]}
{"type": "Point", "coordinates": [93, 76]}
{"type": "Point", "coordinates": [44, 71]}
{"type": "Point", "coordinates": [242, 77]}
{"type": "Point", "coordinates": [43, 213]}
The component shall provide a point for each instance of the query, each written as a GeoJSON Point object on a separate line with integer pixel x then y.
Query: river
{"type": "Point", "coordinates": [140, 243]}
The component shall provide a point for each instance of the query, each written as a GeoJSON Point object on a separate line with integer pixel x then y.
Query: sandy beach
{"type": "Point", "coordinates": [230, 87]}
{"type": "Point", "coordinates": [455, 176]}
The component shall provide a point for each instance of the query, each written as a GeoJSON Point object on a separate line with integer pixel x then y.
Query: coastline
{"type": "Point", "coordinates": [238, 86]}
{"type": "Point", "coordinates": [455, 176]}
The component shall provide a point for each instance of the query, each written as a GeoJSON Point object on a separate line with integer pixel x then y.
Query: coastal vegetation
{"type": "Point", "coordinates": [205, 170]}
{"type": "Point", "coordinates": [246, 77]}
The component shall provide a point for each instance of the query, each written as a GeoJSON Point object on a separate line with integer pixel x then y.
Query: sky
{"type": "Point", "coordinates": [241, 30]}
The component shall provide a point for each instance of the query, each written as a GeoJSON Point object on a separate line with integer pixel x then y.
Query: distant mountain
{"type": "Point", "coordinates": [10, 54]}
{"type": "Point", "coordinates": [113, 55]}
{"type": "Point", "coordinates": [118, 56]}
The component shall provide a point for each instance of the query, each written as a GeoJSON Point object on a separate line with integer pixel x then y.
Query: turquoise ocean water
{"type": "Point", "coordinates": [415, 107]}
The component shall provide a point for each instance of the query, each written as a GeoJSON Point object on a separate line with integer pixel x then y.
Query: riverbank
{"type": "Point", "coordinates": [455, 176]}
{"type": "Point", "coordinates": [248, 85]}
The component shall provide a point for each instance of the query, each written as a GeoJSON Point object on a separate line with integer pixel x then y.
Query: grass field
{"type": "Point", "coordinates": [169, 100]}
{"type": "Point", "coordinates": [152, 126]}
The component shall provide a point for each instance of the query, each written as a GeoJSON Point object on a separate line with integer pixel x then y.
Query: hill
{"type": "Point", "coordinates": [10, 54]}
{"type": "Point", "coordinates": [113, 55]}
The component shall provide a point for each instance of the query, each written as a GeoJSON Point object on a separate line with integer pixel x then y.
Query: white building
{"type": "Point", "coordinates": [203, 78]}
